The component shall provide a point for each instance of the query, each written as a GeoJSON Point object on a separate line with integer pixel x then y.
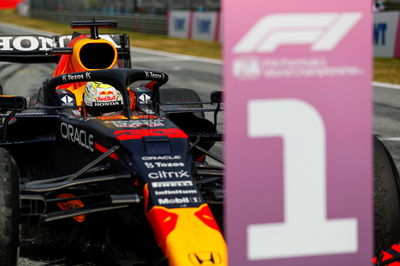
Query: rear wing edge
{"type": "Point", "coordinates": [39, 48]}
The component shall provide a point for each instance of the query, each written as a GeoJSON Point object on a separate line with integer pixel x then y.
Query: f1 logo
{"type": "Point", "coordinates": [323, 31]}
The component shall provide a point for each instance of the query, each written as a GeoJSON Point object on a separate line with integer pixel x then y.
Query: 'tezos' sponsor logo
{"type": "Point", "coordinates": [171, 184]}
{"type": "Point", "coordinates": [183, 200]}
{"type": "Point", "coordinates": [153, 75]}
{"type": "Point", "coordinates": [76, 77]}
{"type": "Point", "coordinates": [321, 31]}
{"type": "Point", "coordinates": [168, 174]}
{"type": "Point", "coordinates": [76, 135]}
{"type": "Point", "coordinates": [161, 158]}
{"type": "Point", "coordinates": [25, 43]}
{"type": "Point", "coordinates": [151, 165]}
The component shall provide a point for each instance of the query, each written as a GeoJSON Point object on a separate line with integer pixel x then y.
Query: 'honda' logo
{"type": "Point", "coordinates": [323, 31]}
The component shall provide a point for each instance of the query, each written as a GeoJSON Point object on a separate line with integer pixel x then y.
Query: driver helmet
{"type": "Point", "coordinates": [100, 98]}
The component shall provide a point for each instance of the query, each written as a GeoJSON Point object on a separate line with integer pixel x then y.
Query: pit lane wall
{"type": "Point", "coordinates": [145, 23]}
{"type": "Point", "coordinates": [205, 26]}
{"type": "Point", "coordinates": [386, 34]}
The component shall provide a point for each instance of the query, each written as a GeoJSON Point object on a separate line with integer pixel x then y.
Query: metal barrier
{"type": "Point", "coordinates": [145, 23]}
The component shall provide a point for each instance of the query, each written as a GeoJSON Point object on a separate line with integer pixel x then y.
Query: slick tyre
{"type": "Point", "coordinates": [9, 209]}
{"type": "Point", "coordinates": [386, 198]}
{"type": "Point", "coordinates": [179, 95]}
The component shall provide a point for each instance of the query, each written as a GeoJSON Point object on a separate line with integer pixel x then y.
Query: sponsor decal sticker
{"type": "Point", "coordinates": [144, 99]}
{"type": "Point", "coordinates": [168, 174]}
{"type": "Point", "coordinates": [76, 135]}
{"type": "Point", "coordinates": [67, 100]}
{"type": "Point", "coordinates": [102, 104]}
{"type": "Point", "coordinates": [76, 77]}
{"type": "Point", "coordinates": [106, 95]}
{"type": "Point", "coordinates": [25, 43]}
{"type": "Point", "coordinates": [137, 123]}
{"type": "Point", "coordinates": [175, 192]}
{"type": "Point", "coordinates": [151, 165]}
{"type": "Point", "coordinates": [323, 32]}
{"type": "Point", "coordinates": [177, 200]}
{"type": "Point", "coordinates": [150, 74]}
{"type": "Point", "coordinates": [172, 184]}
{"type": "Point", "coordinates": [162, 158]}
{"type": "Point", "coordinates": [71, 204]}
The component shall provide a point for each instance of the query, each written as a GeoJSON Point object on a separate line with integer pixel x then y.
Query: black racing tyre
{"type": "Point", "coordinates": [9, 209]}
{"type": "Point", "coordinates": [176, 95]}
{"type": "Point", "coordinates": [386, 199]}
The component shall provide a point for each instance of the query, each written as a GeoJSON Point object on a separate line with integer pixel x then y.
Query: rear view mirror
{"type": "Point", "coordinates": [11, 103]}
{"type": "Point", "coordinates": [216, 96]}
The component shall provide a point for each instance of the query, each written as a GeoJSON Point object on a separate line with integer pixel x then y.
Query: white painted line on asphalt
{"type": "Point", "coordinates": [156, 59]}
{"type": "Point", "coordinates": [390, 138]}
{"type": "Point", "coordinates": [386, 85]}
{"type": "Point", "coordinates": [30, 30]}
{"type": "Point", "coordinates": [175, 55]}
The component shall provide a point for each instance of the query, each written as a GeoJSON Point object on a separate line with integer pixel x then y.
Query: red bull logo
{"type": "Point", "coordinates": [106, 95]}
{"type": "Point", "coordinates": [71, 204]}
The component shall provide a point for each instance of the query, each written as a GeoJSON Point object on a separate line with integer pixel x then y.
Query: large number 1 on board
{"type": "Point", "coordinates": [306, 231]}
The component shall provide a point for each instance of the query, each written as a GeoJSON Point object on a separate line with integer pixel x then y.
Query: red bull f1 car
{"type": "Point", "coordinates": [123, 166]}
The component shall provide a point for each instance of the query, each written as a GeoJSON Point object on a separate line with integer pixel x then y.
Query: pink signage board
{"type": "Point", "coordinates": [298, 132]}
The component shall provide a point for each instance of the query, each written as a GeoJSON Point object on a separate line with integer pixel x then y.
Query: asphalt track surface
{"type": "Point", "coordinates": [202, 75]}
{"type": "Point", "coordinates": [386, 123]}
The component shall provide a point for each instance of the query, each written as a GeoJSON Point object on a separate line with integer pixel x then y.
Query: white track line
{"type": "Point", "coordinates": [390, 138]}
{"type": "Point", "coordinates": [386, 85]}
{"type": "Point", "coordinates": [31, 30]}
{"type": "Point", "coordinates": [156, 59]}
{"type": "Point", "coordinates": [177, 56]}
